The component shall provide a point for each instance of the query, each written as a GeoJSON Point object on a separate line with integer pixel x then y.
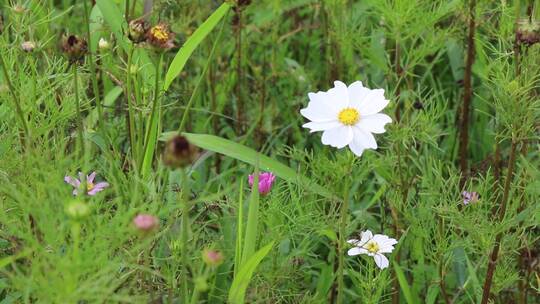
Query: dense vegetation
{"type": "Point", "coordinates": [173, 104]}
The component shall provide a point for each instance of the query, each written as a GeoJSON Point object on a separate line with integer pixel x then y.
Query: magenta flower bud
{"type": "Point", "coordinates": [212, 257]}
{"type": "Point", "coordinates": [266, 179]}
{"type": "Point", "coordinates": [145, 222]}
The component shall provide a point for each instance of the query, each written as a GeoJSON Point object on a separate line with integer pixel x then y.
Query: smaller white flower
{"type": "Point", "coordinates": [347, 115]}
{"type": "Point", "coordinates": [373, 245]}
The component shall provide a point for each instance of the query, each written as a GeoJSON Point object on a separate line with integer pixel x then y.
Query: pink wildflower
{"type": "Point", "coordinates": [145, 222]}
{"type": "Point", "coordinates": [91, 188]}
{"type": "Point", "coordinates": [266, 179]}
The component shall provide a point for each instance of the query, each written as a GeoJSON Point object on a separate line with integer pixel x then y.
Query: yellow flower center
{"type": "Point", "coordinates": [372, 247]}
{"type": "Point", "coordinates": [89, 186]}
{"type": "Point", "coordinates": [160, 33]}
{"type": "Point", "coordinates": [349, 116]}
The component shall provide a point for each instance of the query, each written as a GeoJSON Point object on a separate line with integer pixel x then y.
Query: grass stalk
{"type": "Point", "coordinates": [185, 233]}
{"type": "Point", "coordinates": [131, 113]}
{"type": "Point", "coordinates": [344, 212]}
{"type": "Point", "coordinates": [252, 220]}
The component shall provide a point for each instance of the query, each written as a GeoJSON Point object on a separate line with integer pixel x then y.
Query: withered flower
{"type": "Point", "coordinates": [137, 30]}
{"type": "Point", "coordinates": [528, 32]}
{"type": "Point", "coordinates": [74, 47]}
{"type": "Point", "coordinates": [159, 36]}
{"type": "Point", "coordinates": [179, 152]}
{"type": "Point", "coordinates": [28, 46]}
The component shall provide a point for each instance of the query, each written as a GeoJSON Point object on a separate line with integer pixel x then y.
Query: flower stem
{"type": "Point", "coordinates": [91, 63]}
{"type": "Point", "coordinates": [492, 264]}
{"type": "Point", "coordinates": [467, 96]}
{"type": "Point", "coordinates": [344, 212]}
{"type": "Point", "coordinates": [16, 100]}
{"type": "Point", "coordinates": [131, 114]}
{"type": "Point", "coordinates": [184, 200]}
{"type": "Point", "coordinates": [80, 127]}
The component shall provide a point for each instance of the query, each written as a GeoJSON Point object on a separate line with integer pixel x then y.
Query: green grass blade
{"type": "Point", "coordinates": [239, 229]}
{"type": "Point", "coordinates": [407, 291]}
{"type": "Point", "coordinates": [241, 281]}
{"type": "Point", "coordinates": [177, 65]}
{"type": "Point", "coordinates": [250, 243]}
{"type": "Point", "coordinates": [250, 156]}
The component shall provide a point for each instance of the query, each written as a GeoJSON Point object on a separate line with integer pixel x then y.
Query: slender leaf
{"type": "Point", "coordinates": [250, 156]}
{"type": "Point", "coordinates": [177, 65]}
{"type": "Point", "coordinates": [407, 291]}
{"type": "Point", "coordinates": [240, 283]}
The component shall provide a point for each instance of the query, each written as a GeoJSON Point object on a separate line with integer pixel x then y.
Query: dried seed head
{"type": "Point", "coordinates": [74, 47]}
{"type": "Point", "coordinates": [179, 152]}
{"type": "Point", "coordinates": [160, 36]}
{"type": "Point", "coordinates": [28, 46]}
{"type": "Point", "coordinates": [528, 32]}
{"type": "Point", "coordinates": [136, 30]}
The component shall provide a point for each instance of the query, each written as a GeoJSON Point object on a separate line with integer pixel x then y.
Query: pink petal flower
{"type": "Point", "coordinates": [266, 180]}
{"type": "Point", "coordinates": [90, 178]}
{"type": "Point", "coordinates": [72, 181]}
{"type": "Point", "coordinates": [145, 222]}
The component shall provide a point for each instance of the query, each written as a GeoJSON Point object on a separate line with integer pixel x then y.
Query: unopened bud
{"type": "Point", "coordinates": [145, 222]}
{"type": "Point", "coordinates": [212, 257]}
{"type": "Point", "coordinates": [103, 44]}
{"type": "Point", "coordinates": [528, 32]}
{"type": "Point", "coordinates": [77, 210]}
{"type": "Point", "coordinates": [74, 47]}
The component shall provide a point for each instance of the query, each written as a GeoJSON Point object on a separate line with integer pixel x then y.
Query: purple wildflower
{"type": "Point", "coordinates": [266, 179]}
{"type": "Point", "coordinates": [91, 188]}
{"type": "Point", "coordinates": [470, 197]}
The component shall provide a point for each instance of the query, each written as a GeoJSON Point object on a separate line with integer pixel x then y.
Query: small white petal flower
{"type": "Point", "coordinates": [347, 116]}
{"type": "Point", "coordinates": [373, 245]}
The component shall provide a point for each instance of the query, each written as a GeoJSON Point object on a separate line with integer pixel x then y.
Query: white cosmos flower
{"type": "Point", "coordinates": [347, 116]}
{"type": "Point", "coordinates": [373, 245]}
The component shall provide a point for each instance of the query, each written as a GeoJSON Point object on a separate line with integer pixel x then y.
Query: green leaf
{"type": "Point", "coordinates": [250, 156]}
{"type": "Point", "coordinates": [177, 65]}
{"type": "Point", "coordinates": [240, 283]}
{"type": "Point", "coordinates": [114, 18]}
{"type": "Point", "coordinates": [407, 292]}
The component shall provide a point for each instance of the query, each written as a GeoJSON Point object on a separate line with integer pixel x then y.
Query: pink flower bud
{"type": "Point", "coordinates": [145, 222]}
{"type": "Point", "coordinates": [212, 257]}
{"type": "Point", "coordinates": [266, 179]}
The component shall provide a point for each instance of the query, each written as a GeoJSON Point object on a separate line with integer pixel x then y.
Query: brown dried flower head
{"type": "Point", "coordinates": [160, 36]}
{"type": "Point", "coordinates": [74, 47]}
{"type": "Point", "coordinates": [137, 30]}
{"type": "Point", "coordinates": [528, 32]}
{"type": "Point", "coordinates": [179, 152]}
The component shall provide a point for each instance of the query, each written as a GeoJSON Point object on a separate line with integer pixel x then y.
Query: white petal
{"type": "Point", "coordinates": [356, 251]}
{"type": "Point", "coordinates": [365, 138]}
{"type": "Point", "coordinates": [381, 261]}
{"type": "Point", "coordinates": [357, 93]}
{"type": "Point", "coordinates": [321, 126]}
{"type": "Point", "coordinates": [374, 123]}
{"type": "Point", "coordinates": [353, 241]}
{"type": "Point", "coordinates": [338, 137]}
{"type": "Point", "coordinates": [339, 95]}
{"type": "Point", "coordinates": [362, 140]}
{"type": "Point", "coordinates": [319, 109]}
{"type": "Point", "coordinates": [372, 103]}
{"type": "Point", "coordinates": [365, 237]}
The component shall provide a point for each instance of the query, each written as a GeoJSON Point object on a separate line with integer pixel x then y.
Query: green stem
{"type": "Point", "coordinates": [16, 98]}
{"type": "Point", "coordinates": [93, 75]}
{"type": "Point", "coordinates": [153, 124]}
{"type": "Point", "coordinates": [252, 220]}
{"type": "Point", "coordinates": [80, 127]}
{"type": "Point", "coordinates": [185, 232]}
{"type": "Point", "coordinates": [131, 115]}
{"type": "Point", "coordinates": [344, 212]}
